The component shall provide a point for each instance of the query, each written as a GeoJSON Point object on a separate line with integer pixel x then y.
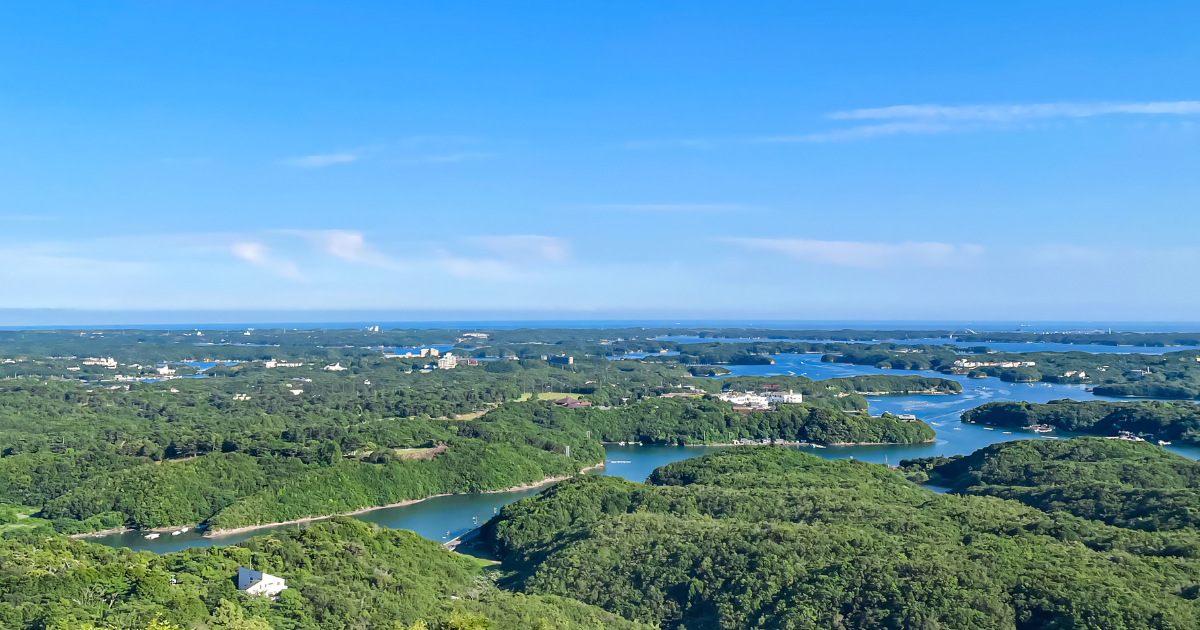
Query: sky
{"type": "Point", "coordinates": [785, 160]}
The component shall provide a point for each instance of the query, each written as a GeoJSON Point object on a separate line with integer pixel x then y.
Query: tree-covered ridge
{"type": "Point", "coordinates": [1154, 420]}
{"type": "Point", "coordinates": [1170, 375]}
{"type": "Point", "coordinates": [707, 420]}
{"type": "Point", "coordinates": [94, 458]}
{"type": "Point", "coordinates": [1136, 485]}
{"type": "Point", "coordinates": [765, 537]}
{"type": "Point", "coordinates": [341, 575]}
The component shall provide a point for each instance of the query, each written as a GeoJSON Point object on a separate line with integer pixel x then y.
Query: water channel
{"type": "Point", "coordinates": [443, 518]}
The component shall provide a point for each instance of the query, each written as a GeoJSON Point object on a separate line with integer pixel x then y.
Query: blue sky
{"type": "Point", "coordinates": [678, 159]}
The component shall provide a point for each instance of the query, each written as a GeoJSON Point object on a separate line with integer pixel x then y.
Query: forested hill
{"type": "Point", "coordinates": [767, 537]}
{"type": "Point", "coordinates": [1132, 484]}
{"type": "Point", "coordinates": [261, 446]}
{"type": "Point", "coordinates": [1153, 420]}
{"type": "Point", "coordinates": [341, 575]}
{"type": "Point", "coordinates": [708, 420]}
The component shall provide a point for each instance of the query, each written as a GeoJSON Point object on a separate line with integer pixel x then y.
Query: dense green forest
{"type": "Point", "coordinates": [1153, 420]}
{"type": "Point", "coordinates": [1170, 375]}
{"type": "Point", "coordinates": [341, 575]}
{"type": "Point", "coordinates": [767, 537]}
{"type": "Point", "coordinates": [710, 421]}
{"type": "Point", "coordinates": [1131, 484]}
{"type": "Point", "coordinates": [235, 449]}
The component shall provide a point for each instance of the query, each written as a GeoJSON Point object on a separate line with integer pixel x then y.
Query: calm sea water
{"type": "Point", "coordinates": [999, 346]}
{"type": "Point", "coordinates": [443, 518]}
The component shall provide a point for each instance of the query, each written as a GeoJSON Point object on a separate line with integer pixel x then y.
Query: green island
{"type": "Point", "coordinates": [1134, 485]}
{"type": "Point", "coordinates": [773, 538]}
{"type": "Point", "coordinates": [1167, 421]}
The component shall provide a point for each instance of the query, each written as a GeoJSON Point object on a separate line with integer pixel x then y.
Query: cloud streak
{"type": "Point", "coordinates": [449, 158]}
{"type": "Point", "coordinates": [349, 245]}
{"type": "Point", "coordinates": [899, 120]}
{"type": "Point", "coordinates": [667, 207]}
{"type": "Point", "coordinates": [864, 255]}
{"type": "Point", "coordinates": [260, 256]}
{"type": "Point", "coordinates": [865, 132]}
{"type": "Point", "coordinates": [525, 247]}
{"type": "Point", "coordinates": [1014, 113]}
{"type": "Point", "coordinates": [318, 161]}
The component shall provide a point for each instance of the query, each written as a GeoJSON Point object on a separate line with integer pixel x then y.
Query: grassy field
{"type": "Point", "coordinates": [18, 516]}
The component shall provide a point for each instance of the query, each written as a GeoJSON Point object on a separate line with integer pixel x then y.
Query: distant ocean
{"type": "Point", "coordinates": [12, 319]}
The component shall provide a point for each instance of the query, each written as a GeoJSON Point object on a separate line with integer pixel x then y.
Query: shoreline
{"type": "Point", "coordinates": [122, 530]}
{"type": "Point", "coordinates": [220, 533]}
{"type": "Point", "coordinates": [799, 444]}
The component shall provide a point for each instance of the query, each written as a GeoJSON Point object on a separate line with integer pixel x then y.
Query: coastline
{"type": "Point", "coordinates": [122, 530]}
{"type": "Point", "coordinates": [218, 533]}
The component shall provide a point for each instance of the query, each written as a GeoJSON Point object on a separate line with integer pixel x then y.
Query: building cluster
{"type": "Point", "coordinates": [1137, 375]}
{"type": "Point", "coordinates": [108, 362]}
{"type": "Point", "coordinates": [962, 363]}
{"type": "Point", "coordinates": [274, 364]}
{"type": "Point", "coordinates": [1075, 374]}
{"type": "Point", "coordinates": [760, 401]}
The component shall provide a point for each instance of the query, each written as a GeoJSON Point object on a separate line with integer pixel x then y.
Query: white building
{"type": "Point", "coordinates": [258, 583]}
{"type": "Point", "coordinates": [108, 362]}
{"type": "Point", "coordinates": [273, 364]}
{"type": "Point", "coordinates": [789, 397]}
{"type": "Point", "coordinates": [447, 362]}
{"type": "Point", "coordinates": [336, 367]}
{"type": "Point", "coordinates": [165, 371]}
{"type": "Point", "coordinates": [745, 399]}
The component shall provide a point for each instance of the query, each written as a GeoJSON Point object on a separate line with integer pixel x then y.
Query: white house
{"type": "Point", "coordinates": [447, 362]}
{"type": "Point", "coordinates": [745, 399]}
{"type": "Point", "coordinates": [789, 397]}
{"type": "Point", "coordinates": [259, 583]}
{"type": "Point", "coordinates": [336, 367]}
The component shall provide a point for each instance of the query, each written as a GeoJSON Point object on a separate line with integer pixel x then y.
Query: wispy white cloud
{"type": "Point", "coordinates": [475, 268]}
{"type": "Point", "coordinates": [446, 159]}
{"type": "Point", "coordinates": [317, 161]}
{"type": "Point", "coordinates": [1011, 113]}
{"type": "Point", "coordinates": [525, 247]}
{"type": "Point", "coordinates": [864, 132]}
{"type": "Point", "coordinates": [935, 119]}
{"type": "Point", "coordinates": [260, 256]}
{"type": "Point", "coordinates": [667, 207]}
{"type": "Point", "coordinates": [349, 245]}
{"type": "Point", "coordinates": [864, 254]}
{"type": "Point", "coordinates": [695, 143]}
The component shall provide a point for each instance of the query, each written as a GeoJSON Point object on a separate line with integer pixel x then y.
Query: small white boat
{"type": "Point", "coordinates": [152, 536]}
{"type": "Point", "coordinates": [176, 533]}
{"type": "Point", "coordinates": [1164, 442]}
{"type": "Point", "coordinates": [184, 530]}
{"type": "Point", "coordinates": [988, 429]}
{"type": "Point", "coordinates": [1007, 432]}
